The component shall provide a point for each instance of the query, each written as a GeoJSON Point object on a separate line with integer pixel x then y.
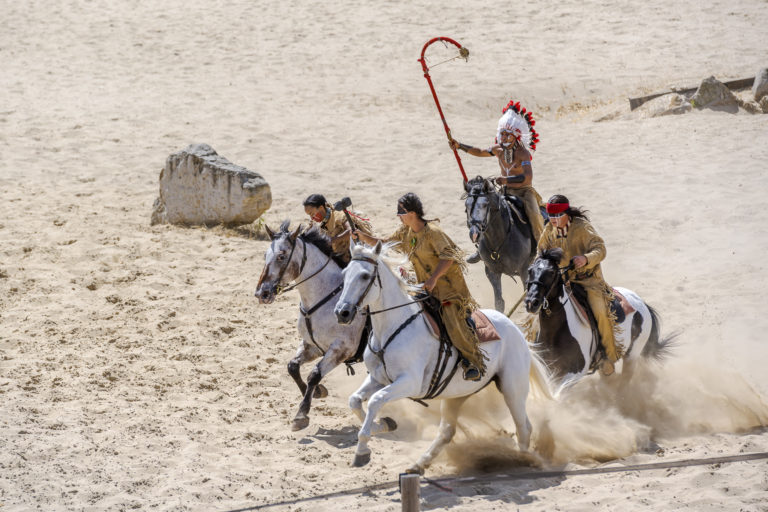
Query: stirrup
{"type": "Point", "coordinates": [474, 257]}
{"type": "Point", "coordinates": [470, 371]}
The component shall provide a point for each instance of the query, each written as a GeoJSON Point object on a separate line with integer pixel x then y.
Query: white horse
{"type": "Point", "coordinates": [308, 259]}
{"type": "Point", "coordinates": [403, 357]}
{"type": "Point", "coordinates": [566, 340]}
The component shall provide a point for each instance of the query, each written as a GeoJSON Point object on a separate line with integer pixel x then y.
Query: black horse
{"type": "Point", "coordinates": [567, 340]}
{"type": "Point", "coordinates": [503, 238]}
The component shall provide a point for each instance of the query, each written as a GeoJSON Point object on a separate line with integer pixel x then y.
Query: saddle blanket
{"type": "Point", "coordinates": [484, 328]}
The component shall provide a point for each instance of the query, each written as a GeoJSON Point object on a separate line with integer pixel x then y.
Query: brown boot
{"type": "Point", "coordinates": [606, 367]}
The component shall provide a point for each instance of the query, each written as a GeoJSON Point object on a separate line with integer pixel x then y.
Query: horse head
{"type": "Point", "coordinates": [283, 262]}
{"type": "Point", "coordinates": [480, 199]}
{"type": "Point", "coordinates": [543, 279]}
{"type": "Point", "coordinates": [359, 277]}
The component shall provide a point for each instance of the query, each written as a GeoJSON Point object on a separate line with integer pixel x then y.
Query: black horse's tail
{"type": "Point", "coordinates": [658, 348]}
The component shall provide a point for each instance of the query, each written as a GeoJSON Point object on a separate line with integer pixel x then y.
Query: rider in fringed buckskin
{"type": "Point", "coordinates": [516, 139]}
{"type": "Point", "coordinates": [439, 263]}
{"type": "Point", "coordinates": [335, 223]}
{"type": "Point", "coordinates": [570, 230]}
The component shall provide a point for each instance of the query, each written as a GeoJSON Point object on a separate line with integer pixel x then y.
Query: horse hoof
{"type": "Point", "coordinates": [415, 470]}
{"type": "Point", "coordinates": [300, 423]}
{"type": "Point", "coordinates": [320, 391]}
{"type": "Point", "coordinates": [390, 423]}
{"type": "Point", "coordinates": [361, 460]}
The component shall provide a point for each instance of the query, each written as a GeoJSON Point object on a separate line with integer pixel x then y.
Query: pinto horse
{"type": "Point", "coordinates": [503, 241]}
{"type": "Point", "coordinates": [308, 259]}
{"type": "Point", "coordinates": [566, 339]}
{"type": "Point", "coordinates": [403, 358]}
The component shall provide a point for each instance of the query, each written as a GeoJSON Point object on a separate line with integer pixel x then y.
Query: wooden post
{"type": "Point", "coordinates": [409, 492]}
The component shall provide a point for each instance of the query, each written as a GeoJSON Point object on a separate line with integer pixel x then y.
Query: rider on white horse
{"type": "Point", "coordinates": [569, 229]}
{"type": "Point", "coordinates": [438, 264]}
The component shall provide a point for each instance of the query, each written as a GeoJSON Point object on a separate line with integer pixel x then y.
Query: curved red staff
{"type": "Point", "coordinates": [464, 54]}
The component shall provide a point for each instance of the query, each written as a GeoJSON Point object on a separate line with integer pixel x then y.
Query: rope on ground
{"type": "Point", "coordinates": [529, 475]}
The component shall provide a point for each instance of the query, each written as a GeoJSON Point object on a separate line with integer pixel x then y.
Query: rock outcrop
{"type": "Point", "coordinates": [199, 187]}
{"type": "Point", "coordinates": [760, 87]}
{"type": "Point", "coordinates": [715, 95]}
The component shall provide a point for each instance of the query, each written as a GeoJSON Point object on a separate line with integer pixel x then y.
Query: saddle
{"type": "Point", "coordinates": [619, 307]}
{"type": "Point", "coordinates": [518, 210]}
{"type": "Point", "coordinates": [483, 327]}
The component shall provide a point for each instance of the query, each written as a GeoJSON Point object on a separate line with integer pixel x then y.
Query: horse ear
{"type": "Point", "coordinates": [377, 249]}
{"type": "Point", "coordinates": [296, 233]}
{"type": "Point", "coordinates": [269, 232]}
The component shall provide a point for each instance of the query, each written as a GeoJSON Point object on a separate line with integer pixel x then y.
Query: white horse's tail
{"type": "Point", "coordinates": [540, 377]}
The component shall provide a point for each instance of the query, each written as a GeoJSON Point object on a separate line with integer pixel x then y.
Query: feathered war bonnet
{"type": "Point", "coordinates": [516, 120]}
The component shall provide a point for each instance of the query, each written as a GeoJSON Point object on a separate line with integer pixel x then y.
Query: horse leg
{"type": "Point", "coordinates": [356, 400]}
{"type": "Point", "coordinates": [495, 279]}
{"type": "Point", "coordinates": [449, 413]}
{"type": "Point", "coordinates": [305, 354]}
{"type": "Point", "coordinates": [515, 390]}
{"type": "Point", "coordinates": [401, 388]}
{"type": "Point", "coordinates": [333, 356]}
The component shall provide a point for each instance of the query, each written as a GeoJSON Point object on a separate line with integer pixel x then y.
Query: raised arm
{"type": "Point", "coordinates": [470, 149]}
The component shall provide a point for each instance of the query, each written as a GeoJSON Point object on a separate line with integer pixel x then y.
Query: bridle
{"type": "Point", "coordinates": [377, 277]}
{"type": "Point", "coordinates": [279, 288]}
{"type": "Point", "coordinates": [562, 271]}
{"type": "Point", "coordinates": [482, 226]}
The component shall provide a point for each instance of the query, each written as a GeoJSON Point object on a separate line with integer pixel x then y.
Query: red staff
{"type": "Point", "coordinates": [464, 54]}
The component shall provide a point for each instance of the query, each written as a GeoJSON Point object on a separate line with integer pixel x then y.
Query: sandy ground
{"type": "Point", "coordinates": [137, 371]}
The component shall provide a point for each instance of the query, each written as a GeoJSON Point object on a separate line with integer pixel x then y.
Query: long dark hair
{"type": "Point", "coordinates": [316, 200]}
{"type": "Point", "coordinates": [411, 203]}
{"type": "Point", "coordinates": [572, 211]}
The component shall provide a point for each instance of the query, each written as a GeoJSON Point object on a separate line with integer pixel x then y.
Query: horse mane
{"type": "Point", "coordinates": [479, 181]}
{"type": "Point", "coordinates": [554, 255]}
{"type": "Point", "coordinates": [317, 237]}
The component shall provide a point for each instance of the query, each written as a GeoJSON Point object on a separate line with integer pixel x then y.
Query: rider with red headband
{"type": "Point", "coordinates": [569, 229]}
{"type": "Point", "coordinates": [334, 223]}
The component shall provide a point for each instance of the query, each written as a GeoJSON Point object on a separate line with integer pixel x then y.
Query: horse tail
{"type": "Point", "coordinates": [540, 377]}
{"type": "Point", "coordinates": [658, 348]}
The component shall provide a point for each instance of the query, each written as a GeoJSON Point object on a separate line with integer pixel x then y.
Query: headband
{"type": "Point", "coordinates": [555, 208]}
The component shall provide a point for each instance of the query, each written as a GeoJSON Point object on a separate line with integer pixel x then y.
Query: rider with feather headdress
{"type": "Point", "coordinates": [516, 140]}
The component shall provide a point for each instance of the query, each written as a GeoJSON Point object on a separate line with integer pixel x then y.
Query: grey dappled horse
{"type": "Point", "coordinates": [505, 244]}
{"type": "Point", "coordinates": [308, 259]}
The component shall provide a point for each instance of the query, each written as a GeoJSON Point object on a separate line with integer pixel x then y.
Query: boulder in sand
{"type": "Point", "coordinates": [715, 95]}
{"type": "Point", "coordinates": [199, 187]}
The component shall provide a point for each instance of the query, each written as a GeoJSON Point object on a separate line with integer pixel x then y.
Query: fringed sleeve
{"type": "Point", "coordinates": [445, 248]}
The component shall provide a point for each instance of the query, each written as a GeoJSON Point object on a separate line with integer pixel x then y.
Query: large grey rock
{"type": "Point", "coordinates": [760, 86]}
{"type": "Point", "coordinates": [715, 95]}
{"type": "Point", "coordinates": [197, 186]}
